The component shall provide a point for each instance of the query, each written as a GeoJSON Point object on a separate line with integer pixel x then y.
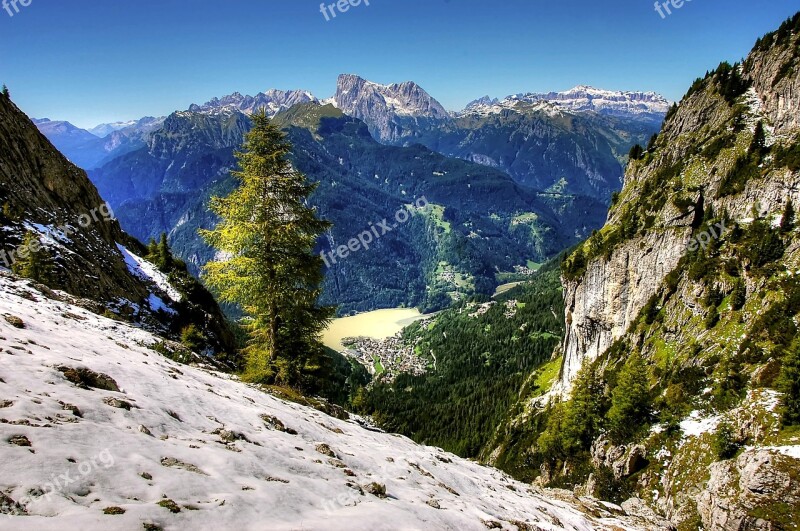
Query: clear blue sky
{"type": "Point", "coordinates": [92, 61]}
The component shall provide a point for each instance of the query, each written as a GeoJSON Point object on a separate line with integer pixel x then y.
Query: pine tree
{"type": "Point", "coordinates": [636, 152]}
{"type": "Point", "coordinates": [758, 146]}
{"type": "Point", "coordinates": [787, 222]}
{"type": "Point", "coordinates": [267, 233]}
{"type": "Point", "coordinates": [630, 402]}
{"type": "Point", "coordinates": [789, 384]}
{"type": "Point", "coordinates": [164, 254]}
{"type": "Point", "coordinates": [651, 144]}
{"type": "Point", "coordinates": [739, 295]}
{"type": "Point", "coordinates": [6, 94]}
{"type": "Point", "coordinates": [33, 263]}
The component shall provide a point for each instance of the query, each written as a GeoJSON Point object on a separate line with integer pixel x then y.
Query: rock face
{"type": "Point", "coordinates": [549, 145]}
{"type": "Point", "coordinates": [392, 112]}
{"type": "Point", "coordinates": [740, 492]}
{"type": "Point", "coordinates": [601, 306]}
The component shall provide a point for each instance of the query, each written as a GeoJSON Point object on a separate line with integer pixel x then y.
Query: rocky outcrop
{"type": "Point", "coordinates": [757, 491]}
{"type": "Point", "coordinates": [601, 306]}
{"type": "Point", "coordinates": [50, 205]}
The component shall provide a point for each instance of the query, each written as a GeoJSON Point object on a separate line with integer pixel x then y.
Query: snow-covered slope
{"type": "Point", "coordinates": [179, 447]}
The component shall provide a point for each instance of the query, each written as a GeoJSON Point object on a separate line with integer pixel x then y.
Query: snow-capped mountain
{"type": "Point", "coordinates": [100, 431]}
{"type": "Point", "coordinates": [648, 106]}
{"type": "Point", "coordinates": [273, 101]}
{"type": "Point", "coordinates": [103, 130]}
{"type": "Point", "coordinates": [146, 123]}
{"type": "Point", "coordinates": [392, 112]}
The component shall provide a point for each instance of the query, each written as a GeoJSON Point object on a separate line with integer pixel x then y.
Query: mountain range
{"type": "Point", "coordinates": [556, 168]}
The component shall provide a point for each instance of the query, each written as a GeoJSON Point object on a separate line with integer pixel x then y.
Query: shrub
{"type": "Point", "coordinates": [192, 339]}
{"type": "Point", "coordinates": [712, 318]}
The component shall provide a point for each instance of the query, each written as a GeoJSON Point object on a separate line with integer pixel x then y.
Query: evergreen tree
{"type": "Point", "coordinates": [164, 254]}
{"type": "Point", "coordinates": [33, 263]}
{"type": "Point", "coordinates": [6, 94]}
{"type": "Point", "coordinates": [758, 146]}
{"type": "Point", "coordinates": [651, 145]}
{"type": "Point", "coordinates": [787, 222]}
{"type": "Point", "coordinates": [267, 234]}
{"type": "Point", "coordinates": [739, 295]}
{"type": "Point", "coordinates": [584, 413]}
{"type": "Point", "coordinates": [636, 152]}
{"type": "Point", "coordinates": [789, 383]}
{"type": "Point", "coordinates": [630, 402]}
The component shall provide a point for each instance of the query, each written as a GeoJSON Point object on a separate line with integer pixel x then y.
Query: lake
{"type": "Point", "coordinates": [379, 324]}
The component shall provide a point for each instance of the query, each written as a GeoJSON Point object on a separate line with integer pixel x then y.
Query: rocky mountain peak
{"type": "Point", "coordinates": [392, 112]}
{"type": "Point", "coordinates": [272, 101]}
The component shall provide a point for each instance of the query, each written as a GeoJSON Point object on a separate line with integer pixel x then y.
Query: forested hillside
{"type": "Point", "coordinates": [486, 357]}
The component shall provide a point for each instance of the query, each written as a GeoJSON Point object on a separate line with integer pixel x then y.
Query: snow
{"type": "Point", "coordinates": [696, 425]}
{"type": "Point", "coordinates": [578, 99]}
{"type": "Point", "coordinates": [144, 270]}
{"type": "Point", "coordinates": [267, 479]}
{"type": "Point", "coordinates": [156, 304]}
{"type": "Point", "coordinates": [790, 451]}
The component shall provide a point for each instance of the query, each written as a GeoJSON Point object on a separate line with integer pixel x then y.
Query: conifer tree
{"type": "Point", "coordinates": [789, 383]}
{"type": "Point", "coordinates": [787, 222]}
{"type": "Point", "coordinates": [33, 263]}
{"type": "Point", "coordinates": [267, 234]}
{"type": "Point", "coordinates": [630, 403]}
{"type": "Point", "coordinates": [164, 254]}
{"type": "Point", "coordinates": [6, 94]}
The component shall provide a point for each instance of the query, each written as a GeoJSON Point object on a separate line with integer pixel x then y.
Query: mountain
{"type": "Point", "coordinates": [545, 146]}
{"type": "Point", "coordinates": [648, 107]}
{"type": "Point", "coordinates": [477, 222]}
{"type": "Point", "coordinates": [273, 101]}
{"type": "Point", "coordinates": [103, 130]}
{"type": "Point", "coordinates": [674, 388]}
{"type": "Point", "coordinates": [87, 149]}
{"type": "Point", "coordinates": [394, 112]}
{"type": "Point", "coordinates": [52, 211]}
{"type": "Point", "coordinates": [574, 142]}
{"type": "Point", "coordinates": [81, 146]}
{"type": "Point", "coordinates": [162, 445]}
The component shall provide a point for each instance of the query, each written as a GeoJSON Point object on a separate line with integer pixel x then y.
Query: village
{"type": "Point", "coordinates": [387, 358]}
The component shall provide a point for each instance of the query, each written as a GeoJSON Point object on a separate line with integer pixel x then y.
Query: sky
{"type": "Point", "coordinates": [96, 61]}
